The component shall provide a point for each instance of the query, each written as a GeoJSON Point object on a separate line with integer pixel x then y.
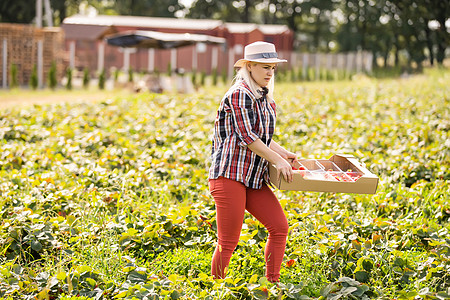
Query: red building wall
{"type": "Point", "coordinates": [87, 50]}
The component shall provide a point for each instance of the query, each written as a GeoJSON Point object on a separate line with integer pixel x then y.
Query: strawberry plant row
{"type": "Point", "coordinates": [109, 200]}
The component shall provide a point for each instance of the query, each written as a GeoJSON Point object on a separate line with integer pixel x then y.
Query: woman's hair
{"type": "Point", "coordinates": [244, 75]}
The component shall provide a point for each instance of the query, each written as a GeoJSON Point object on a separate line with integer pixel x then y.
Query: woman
{"type": "Point", "coordinates": [242, 148]}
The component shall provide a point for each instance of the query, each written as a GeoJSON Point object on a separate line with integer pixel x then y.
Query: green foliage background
{"type": "Point", "coordinates": [110, 200]}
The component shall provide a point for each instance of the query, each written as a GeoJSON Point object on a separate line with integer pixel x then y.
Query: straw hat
{"type": "Point", "coordinates": [260, 52]}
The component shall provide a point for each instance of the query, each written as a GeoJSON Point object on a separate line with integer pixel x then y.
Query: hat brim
{"type": "Point", "coordinates": [240, 63]}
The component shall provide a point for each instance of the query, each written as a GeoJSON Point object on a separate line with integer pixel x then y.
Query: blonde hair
{"type": "Point", "coordinates": [244, 75]}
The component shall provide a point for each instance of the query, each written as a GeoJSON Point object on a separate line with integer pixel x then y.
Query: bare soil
{"type": "Point", "coordinates": [18, 97]}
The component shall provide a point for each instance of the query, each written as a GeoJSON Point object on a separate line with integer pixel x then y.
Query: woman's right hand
{"type": "Point", "coordinates": [284, 168]}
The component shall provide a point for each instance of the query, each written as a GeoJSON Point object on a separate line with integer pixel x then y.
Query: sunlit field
{"type": "Point", "coordinates": [108, 199]}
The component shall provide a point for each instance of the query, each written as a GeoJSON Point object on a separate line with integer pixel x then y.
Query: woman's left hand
{"type": "Point", "coordinates": [289, 156]}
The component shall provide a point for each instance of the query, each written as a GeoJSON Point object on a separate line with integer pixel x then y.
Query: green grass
{"type": "Point", "coordinates": [109, 199]}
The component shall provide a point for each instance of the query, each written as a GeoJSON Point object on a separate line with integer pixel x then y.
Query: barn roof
{"type": "Point", "coordinates": [249, 27]}
{"type": "Point", "coordinates": [151, 22]}
{"type": "Point", "coordinates": [105, 21]}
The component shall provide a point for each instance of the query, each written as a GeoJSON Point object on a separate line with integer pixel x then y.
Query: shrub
{"type": "Point", "coordinates": [293, 75]}
{"type": "Point", "coordinates": [52, 81]}
{"type": "Point", "coordinates": [202, 78]}
{"type": "Point", "coordinates": [194, 77]}
{"type": "Point", "coordinates": [130, 75]}
{"type": "Point", "coordinates": [14, 81]}
{"type": "Point", "coordinates": [86, 78]}
{"type": "Point", "coordinates": [116, 75]}
{"type": "Point", "coordinates": [214, 76]}
{"type": "Point", "coordinates": [169, 69]}
{"type": "Point", "coordinates": [69, 78]}
{"type": "Point", "coordinates": [101, 80]}
{"type": "Point", "coordinates": [224, 76]}
{"type": "Point", "coordinates": [34, 78]}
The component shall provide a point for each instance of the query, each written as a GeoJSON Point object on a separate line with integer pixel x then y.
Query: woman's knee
{"type": "Point", "coordinates": [280, 228]}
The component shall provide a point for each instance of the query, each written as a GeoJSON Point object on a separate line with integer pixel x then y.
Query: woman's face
{"type": "Point", "coordinates": [261, 72]}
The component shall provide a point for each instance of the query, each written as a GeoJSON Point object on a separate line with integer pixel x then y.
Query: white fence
{"type": "Point", "coordinates": [360, 61]}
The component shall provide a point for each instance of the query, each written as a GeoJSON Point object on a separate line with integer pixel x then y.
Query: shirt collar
{"type": "Point", "coordinates": [263, 92]}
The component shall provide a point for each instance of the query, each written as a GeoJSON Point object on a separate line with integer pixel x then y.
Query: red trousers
{"type": "Point", "coordinates": [232, 198]}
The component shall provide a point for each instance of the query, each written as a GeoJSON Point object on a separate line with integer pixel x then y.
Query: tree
{"type": "Point", "coordinates": [13, 11]}
{"type": "Point", "coordinates": [64, 8]}
{"type": "Point", "coordinates": [24, 11]}
{"type": "Point", "coordinates": [154, 8]}
{"type": "Point", "coordinates": [438, 12]}
{"type": "Point", "coordinates": [312, 19]}
{"type": "Point", "coordinates": [227, 10]}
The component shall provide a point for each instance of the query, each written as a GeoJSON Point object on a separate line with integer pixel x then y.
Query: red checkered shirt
{"type": "Point", "coordinates": [241, 119]}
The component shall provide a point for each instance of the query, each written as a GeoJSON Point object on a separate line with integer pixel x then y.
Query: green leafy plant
{"type": "Point", "coordinates": [214, 77]}
{"type": "Point", "coordinates": [52, 76]}
{"type": "Point", "coordinates": [194, 77]}
{"type": "Point", "coordinates": [169, 69]}
{"type": "Point", "coordinates": [69, 79]}
{"type": "Point", "coordinates": [86, 78]}
{"type": "Point", "coordinates": [101, 80]}
{"type": "Point", "coordinates": [14, 81]}
{"type": "Point", "coordinates": [34, 78]}
{"type": "Point", "coordinates": [130, 75]}
{"type": "Point", "coordinates": [202, 78]}
{"type": "Point", "coordinates": [109, 199]}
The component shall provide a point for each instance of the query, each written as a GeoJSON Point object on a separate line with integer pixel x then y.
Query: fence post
{"type": "Point", "coordinates": [349, 62]}
{"type": "Point", "coordinates": [151, 60]}
{"type": "Point", "coordinates": [329, 61]}
{"type": "Point", "coordinates": [5, 63]}
{"type": "Point", "coordinates": [126, 59]}
{"type": "Point", "coordinates": [368, 64]}
{"type": "Point", "coordinates": [230, 62]}
{"type": "Point", "coordinates": [72, 54]}
{"type": "Point", "coordinates": [340, 61]}
{"type": "Point", "coordinates": [305, 65]}
{"type": "Point", "coordinates": [40, 63]}
{"type": "Point", "coordinates": [358, 61]}
{"type": "Point", "coordinates": [101, 56]}
{"type": "Point", "coordinates": [293, 59]}
{"type": "Point", "coordinates": [214, 57]}
{"type": "Point", "coordinates": [317, 57]}
{"type": "Point", "coordinates": [194, 58]}
{"type": "Point", "coordinates": [173, 58]}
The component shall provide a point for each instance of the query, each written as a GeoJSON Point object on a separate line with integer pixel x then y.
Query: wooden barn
{"type": "Point", "coordinates": [85, 43]}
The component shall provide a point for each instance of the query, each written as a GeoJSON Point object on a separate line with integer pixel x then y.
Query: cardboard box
{"type": "Point", "coordinates": [339, 174]}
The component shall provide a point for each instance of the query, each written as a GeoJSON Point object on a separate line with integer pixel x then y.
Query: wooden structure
{"type": "Point", "coordinates": [85, 40]}
{"type": "Point", "coordinates": [27, 46]}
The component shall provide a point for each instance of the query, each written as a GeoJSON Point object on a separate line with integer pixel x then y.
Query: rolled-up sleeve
{"type": "Point", "coordinates": [243, 116]}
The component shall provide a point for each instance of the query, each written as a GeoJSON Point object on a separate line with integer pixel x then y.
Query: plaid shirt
{"type": "Point", "coordinates": [241, 119]}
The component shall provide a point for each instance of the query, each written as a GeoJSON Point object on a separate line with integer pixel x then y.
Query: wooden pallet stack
{"type": "Point", "coordinates": [22, 47]}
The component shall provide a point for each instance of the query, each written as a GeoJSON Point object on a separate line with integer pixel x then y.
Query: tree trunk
{"type": "Point", "coordinates": [245, 16]}
{"type": "Point", "coordinates": [374, 59]}
{"type": "Point", "coordinates": [442, 38]}
{"type": "Point", "coordinates": [429, 42]}
{"type": "Point", "coordinates": [317, 33]}
{"type": "Point", "coordinates": [385, 58]}
{"type": "Point", "coordinates": [396, 60]}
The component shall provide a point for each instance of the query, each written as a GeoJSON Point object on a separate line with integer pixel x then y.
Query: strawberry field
{"type": "Point", "coordinates": [109, 200]}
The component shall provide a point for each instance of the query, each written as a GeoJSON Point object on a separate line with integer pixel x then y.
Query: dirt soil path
{"type": "Point", "coordinates": [15, 98]}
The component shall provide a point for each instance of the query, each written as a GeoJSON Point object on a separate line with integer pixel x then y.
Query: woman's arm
{"type": "Point", "coordinates": [283, 167]}
{"type": "Point", "coordinates": [281, 151]}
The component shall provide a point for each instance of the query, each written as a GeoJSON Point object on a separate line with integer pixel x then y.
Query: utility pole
{"type": "Point", "coordinates": [39, 13]}
{"type": "Point", "coordinates": [48, 13]}
{"type": "Point", "coordinates": [40, 44]}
